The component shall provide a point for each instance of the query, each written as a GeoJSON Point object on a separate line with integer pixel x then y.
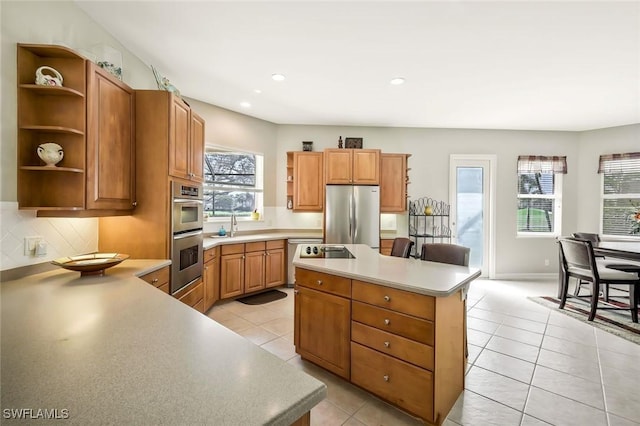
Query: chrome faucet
{"type": "Point", "coordinates": [234, 225]}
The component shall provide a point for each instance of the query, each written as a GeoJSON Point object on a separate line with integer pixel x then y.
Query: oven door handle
{"type": "Point", "coordinates": [187, 234]}
{"type": "Point", "coordinates": [186, 201]}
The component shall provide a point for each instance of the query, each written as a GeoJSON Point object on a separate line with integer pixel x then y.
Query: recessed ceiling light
{"type": "Point", "coordinates": [397, 80]}
{"type": "Point", "coordinates": [278, 77]}
{"type": "Point", "coordinates": [258, 91]}
{"type": "Point", "coordinates": [245, 104]}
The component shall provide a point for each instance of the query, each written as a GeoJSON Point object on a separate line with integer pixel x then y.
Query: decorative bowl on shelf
{"type": "Point", "coordinates": [90, 264]}
{"type": "Point", "coordinates": [51, 153]}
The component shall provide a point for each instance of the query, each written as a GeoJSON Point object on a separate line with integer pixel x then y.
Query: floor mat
{"type": "Point", "coordinates": [266, 297]}
{"type": "Point", "coordinates": [613, 321]}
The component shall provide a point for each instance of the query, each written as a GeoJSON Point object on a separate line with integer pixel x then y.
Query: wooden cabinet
{"type": "Point", "coordinates": [110, 141]}
{"type": "Point", "coordinates": [250, 267]}
{"type": "Point", "coordinates": [192, 295]}
{"type": "Point", "coordinates": [352, 166]}
{"type": "Point", "coordinates": [275, 270]}
{"type": "Point", "coordinates": [385, 246]}
{"type": "Point", "coordinates": [90, 117]}
{"type": "Point", "coordinates": [159, 279]}
{"type": "Point", "coordinates": [305, 183]}
{"type": "Point", "coordinates": [322, 321]}
{"type": "Point", "coordinates": [393, 183]}
{"type": "Point", "coordinates": [186, 142]}
{"type": "Point", "coordinates": [211, 277]}
{"type": "Point", "coordinates": [408, 348]}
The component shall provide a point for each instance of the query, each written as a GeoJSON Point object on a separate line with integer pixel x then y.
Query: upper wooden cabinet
{"type": "Point", "coordinates": [352, 166]}
{"type": "Point", "coordinates": [306, 187]}
{"type": "Point", "coordinates": [393, 183]}
{"type": "Point", "coordinates": [90, 117]}
{"type": "Point", "coordinates": [186, 142]}
{"type": "Point", "coordinates": [110, 141]}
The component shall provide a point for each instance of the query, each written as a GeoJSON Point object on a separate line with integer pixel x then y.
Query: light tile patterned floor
{"type": "Point", "coordinates": [527, 365]}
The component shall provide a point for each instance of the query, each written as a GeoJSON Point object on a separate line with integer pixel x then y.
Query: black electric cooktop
{"type": "Point", "coordinates": [326, 252]}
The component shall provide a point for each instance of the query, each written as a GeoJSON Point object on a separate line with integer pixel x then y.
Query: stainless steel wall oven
{"type": "Point", "coordinates": [186, 229]}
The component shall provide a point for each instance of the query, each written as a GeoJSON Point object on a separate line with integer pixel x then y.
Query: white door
{"type": "Point", "coordinates": [471, 194]}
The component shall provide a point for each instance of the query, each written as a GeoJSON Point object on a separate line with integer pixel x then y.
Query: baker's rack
{"type": "Point", "coordinates": [428, 223]}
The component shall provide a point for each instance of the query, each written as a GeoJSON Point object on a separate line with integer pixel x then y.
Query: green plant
{"type": "Point", "coordinates": [634, 218]}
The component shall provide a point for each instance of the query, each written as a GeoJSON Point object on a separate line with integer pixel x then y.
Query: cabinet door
{"type": "Point", "coordinates": [366, 167]}
{"type": "Point", "coordinates": [254, 271]}
{"type": "Point", "coordinates": [322, 324]}
{"type": "Point", "coordinates": [179, 139]}
{"type": "Point", "coordinates": [338, 166]}
{"type": "Point", "coordinates": [211, 277]}
{"type": "Point", "coordinates": [110, 142]}
{"type": "Point", "coordinates": [231, 275]}
{"type": "Point", "coordinates": [308, 185]}
{"type": "Point", "coordinates": [275, 269]}
{"type": "Point", "coordinates": [197, 148]}
{"type": "Point", "coordinates": [393, 183]}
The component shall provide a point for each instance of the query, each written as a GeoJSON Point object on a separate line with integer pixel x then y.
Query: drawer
{"type": "Point", "coordinates": [403, 384]}
{"type": "Point", "coordinates": [327, 283]}
{"type": "Point", "coordinates": [403, 325]}
{"type": "Point", "coordinates": [157, 278]}
{"type": "Point", "coordinates": [211, 253]}
{"type": "Point", "coordinates": [194, 295]}
{"type": "Point", "coordinates": [232, 249]}
{"type": "Point", "coordinates": [417, 305]}
{"type": "Point", "coordinates": [275, 244]}
{"type": "Point", "coordinates": [255, 246]}
{"type": "Point", "coordinates": [407, 350]}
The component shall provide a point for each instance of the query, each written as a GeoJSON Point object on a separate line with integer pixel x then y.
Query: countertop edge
{"type": "Point", "coordinates": [304, 405]}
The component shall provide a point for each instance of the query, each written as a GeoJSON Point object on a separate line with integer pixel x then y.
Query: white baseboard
{"type": "Point", "coordinates": [527, 276]}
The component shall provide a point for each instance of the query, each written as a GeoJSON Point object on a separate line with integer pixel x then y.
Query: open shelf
{"type": "Point", "coordinates": [52, 90]}
{"type": "Point", "coordinates": [52, 169]}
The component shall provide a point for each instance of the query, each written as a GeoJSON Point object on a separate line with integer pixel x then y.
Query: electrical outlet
{"type": "Point", "coordinates": [546, 262]}
{"type": "Point", "coordinates": [30, 244]}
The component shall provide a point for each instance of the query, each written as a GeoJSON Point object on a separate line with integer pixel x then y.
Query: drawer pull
{"type": "Point", "coordinates": [386, 378]}
{"type": "Point", "coordinates": [319, 282]}
{"type": "Point", "coordinates": [387, 344]}
{"type": "Point", "coordinates": [153, 281]}
{"type": "Point", "coordinates": [387, 299]}
{"type": "Point", "coordinates": [387, 321]}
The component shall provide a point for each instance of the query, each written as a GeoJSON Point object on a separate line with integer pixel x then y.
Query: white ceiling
{"type": "Point", "coordinates": [560, 65]}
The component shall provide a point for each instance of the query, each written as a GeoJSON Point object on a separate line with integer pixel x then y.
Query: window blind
{"type": "Point", "coordinates": [620, 191]}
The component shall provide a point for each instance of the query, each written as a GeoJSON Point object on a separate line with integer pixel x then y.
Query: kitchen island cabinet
{"type": "Point", "coordinates": [406, 341]}
{"type": "Point", "coordinates": [112, 349]}
{"type": "Point", "coordinates": [211, 277]}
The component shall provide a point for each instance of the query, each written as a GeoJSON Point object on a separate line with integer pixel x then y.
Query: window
{"type": "Point", "coordinates": [233, 183]}
{"type": "Point", "coordinates": [540, 195]}
{"type": "Point", "coordinates": [620, 193]}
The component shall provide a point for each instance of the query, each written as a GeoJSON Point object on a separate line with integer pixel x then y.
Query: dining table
{"type": "Point", "coordinates": [629, 250]}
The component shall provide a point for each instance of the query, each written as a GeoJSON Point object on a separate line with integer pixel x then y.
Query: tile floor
{"type": "Point", "coordinates": [527, 365]}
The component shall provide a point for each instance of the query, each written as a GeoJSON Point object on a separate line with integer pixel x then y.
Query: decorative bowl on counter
{"type": "Point", "coordinates": [90, 264]}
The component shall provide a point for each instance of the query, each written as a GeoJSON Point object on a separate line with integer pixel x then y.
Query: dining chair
{"type": "Point", "coordinates": [452, 254]}
{"type": "Point", "coordinates": [401, 247]}
{"type": "Point", "coordinates": [594, 238]}
{"type": "Point", "coordinates": [578, 261]}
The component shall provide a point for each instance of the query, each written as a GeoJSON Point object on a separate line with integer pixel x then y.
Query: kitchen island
{"type": "Point", "coordinates": [114, 349]}
{"type": "Point", "coordinates": [393, 326]}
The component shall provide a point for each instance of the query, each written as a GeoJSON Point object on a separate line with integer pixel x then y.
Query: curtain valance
{"type": "Point", "coordinates": [542, 164]}
{"type": "Point", "coordinates": [628, 162]}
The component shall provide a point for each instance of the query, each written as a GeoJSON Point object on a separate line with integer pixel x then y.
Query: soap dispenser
{"type": "Point", "coordinates": [222, 232]}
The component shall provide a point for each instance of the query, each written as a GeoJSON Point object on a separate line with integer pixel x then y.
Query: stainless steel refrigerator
{"type": "Point", "coordinates": [352, 215]}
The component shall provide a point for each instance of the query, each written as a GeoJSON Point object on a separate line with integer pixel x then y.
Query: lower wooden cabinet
{"type": "Point", "coordinates": [159, 279]}
{"type": "Point", "coordinates": [251, 267]}
{"type": "Point", "coordinates": [192, 295]}
{"type": "Point", "coordinates": [322, 325]}
{"type": "Point", "coordinates": [385, 247]}
{"type": "Point", "coordinates": [211, 277]}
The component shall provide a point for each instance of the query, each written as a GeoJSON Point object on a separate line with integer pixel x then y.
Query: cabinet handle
{"type": "Point", "coordinates": [243, 256]}
{"type": "Point", "coordinates": [387, 299]}
{"type": "Point", "coordinates": [387, 321]}
{"type": "Point", "coordinates": [153, 281]}
{"type": "Point", "coordinates": [386, 378]}
{"type": "Point", "coordinates": [134, 204]}
{"type": "Point", "coordinates": [387, 344]}
{"type": "Point", "coordinates": [319, 282]}
{"type": "Point", "coordinates": [295, 291]}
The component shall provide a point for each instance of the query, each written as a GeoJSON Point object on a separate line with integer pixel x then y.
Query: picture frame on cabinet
{"type": "Point", "coordinates": [355, 143]}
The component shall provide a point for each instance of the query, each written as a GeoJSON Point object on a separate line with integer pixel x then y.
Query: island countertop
{"type": "Point", "coordinates": [113, 349]}
{"type": "Point", "coordinates": [414, 275]}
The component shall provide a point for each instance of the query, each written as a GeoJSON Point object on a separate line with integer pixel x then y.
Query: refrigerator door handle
{"type": "Point", "coordinates": [354, 233]}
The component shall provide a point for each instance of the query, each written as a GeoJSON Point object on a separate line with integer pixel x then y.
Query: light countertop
{"type": "Point", "coordinates": [114, 349]}
{"type": "Point", "coordinates": [415, 275]}
{"type": "Point", "coordinates": [210, 241]}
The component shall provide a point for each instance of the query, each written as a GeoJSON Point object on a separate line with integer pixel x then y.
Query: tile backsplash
{"type": "Point", "coordinates": [63, 236]}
